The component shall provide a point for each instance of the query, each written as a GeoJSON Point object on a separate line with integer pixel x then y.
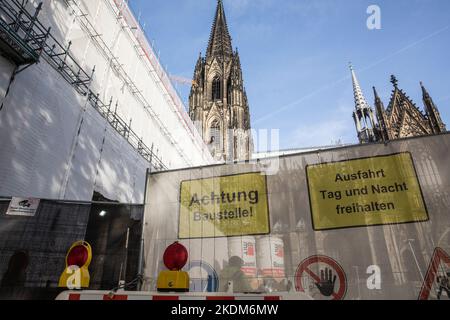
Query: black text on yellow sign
{"type": "Point", "coordinates": [365, 192]}
{"type": "Point", "coordinates": [224, 206]}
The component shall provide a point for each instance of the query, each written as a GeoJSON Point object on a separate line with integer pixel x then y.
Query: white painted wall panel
{"type": "Point", "coordinates": [93, 59]}
{"type": "Point", "coordinates": [85, 157]}
{"type": "Point", "coordinates": [54, 14]}
{"type": "Point", "coordinates": [116, 169]}
{"type": "Point", "coordinates": [79, 45]}
{"type": "Point", "coordinates": [127, 52]}
{"type": "Point", "coordinates": [91, 6]}
{"type": "Point", "coordinates": [36, 129]}
{"type": "Point", "coordinates": [106, 25]}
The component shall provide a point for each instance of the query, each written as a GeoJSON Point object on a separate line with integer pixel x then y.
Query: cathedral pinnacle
{"type": "Point", "coordinates": [394, 81]}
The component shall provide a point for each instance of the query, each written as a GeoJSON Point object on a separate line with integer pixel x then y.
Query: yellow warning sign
{"type": "Point", "coordinates": [224, 206]}
{"type": "Point", "coordinates": [365, 192]}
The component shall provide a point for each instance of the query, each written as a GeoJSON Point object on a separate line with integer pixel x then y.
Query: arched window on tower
{"type": "Point", "coordinates": [216, 89]}
{"type": "Point", "coordinates": [214, 138]}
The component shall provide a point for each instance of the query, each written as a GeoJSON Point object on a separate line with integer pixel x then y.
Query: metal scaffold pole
{"type": "Point", "coordinates": [141, 261]}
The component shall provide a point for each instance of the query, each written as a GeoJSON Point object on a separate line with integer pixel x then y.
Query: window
{"type": "Point", "coordinates": [229, 91]}
{"type": "Point", "coordinates": [216, 89]}
{"type": "Point", "coordinates": [214, 138]}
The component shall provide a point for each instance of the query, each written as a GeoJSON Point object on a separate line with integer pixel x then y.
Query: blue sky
{"type": "Point", "coordinates": [295, 55]}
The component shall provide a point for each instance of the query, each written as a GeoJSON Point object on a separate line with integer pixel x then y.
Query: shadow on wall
{"type": "Point", "coordinates": [15, 275]}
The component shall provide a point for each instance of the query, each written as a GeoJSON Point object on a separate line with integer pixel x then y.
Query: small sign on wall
{"type": "Point", "coordinates": [23, 207]}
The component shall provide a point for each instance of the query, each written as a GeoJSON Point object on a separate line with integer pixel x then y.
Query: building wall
{"type": "Point", "coordinates": [54, 144]}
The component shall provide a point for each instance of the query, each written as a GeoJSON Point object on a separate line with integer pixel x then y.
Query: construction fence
{"type": "Point", "coordinates": [359, 222]}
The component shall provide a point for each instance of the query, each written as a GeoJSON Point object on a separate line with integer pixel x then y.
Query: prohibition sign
{"type": "Point", "coordinates": [305, 268]}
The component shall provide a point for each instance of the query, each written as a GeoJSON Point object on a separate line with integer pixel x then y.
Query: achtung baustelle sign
{"type": "Point", "coordinates": [365, 192]}
{"type": "Point", "coordinates": [225, 206]}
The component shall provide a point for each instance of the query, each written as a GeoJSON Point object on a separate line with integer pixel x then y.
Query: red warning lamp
{"type": "Point", "coordinates": [175, 257]}
{"type": "Point", "coordinates": [78, 256]}
{"type": "Point", "coordinates": [76, 274]}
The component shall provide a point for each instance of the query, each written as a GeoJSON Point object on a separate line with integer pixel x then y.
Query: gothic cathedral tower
{"type": "Point", "coordinates": [218, 102]}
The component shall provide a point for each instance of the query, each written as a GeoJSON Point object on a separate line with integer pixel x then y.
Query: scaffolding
{"type": "Point", "coordinates": [124, 129]}
{"type": "Point", "coordinates": [59, 58]}
{"type": "Point", "coordinates": [21, 39]}
{"type": "Point", "coordinates": [31, 31]}
{"type": "Point", "coordinates": [120, 71]}
{"type": "Point", "coordinates": [26, 31]}
{"type": "Point", "coordinates": [147, 53]}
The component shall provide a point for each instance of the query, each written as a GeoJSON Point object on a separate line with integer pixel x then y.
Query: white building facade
{"type": "Point", "coordinates": [94, 113]}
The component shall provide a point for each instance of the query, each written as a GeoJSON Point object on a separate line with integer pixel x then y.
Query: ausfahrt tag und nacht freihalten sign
{"type": "Point", "coordinates": [365, 192]}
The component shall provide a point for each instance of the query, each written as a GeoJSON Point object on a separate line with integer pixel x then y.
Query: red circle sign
{"type": "Point", "coordinates": [336, 270]}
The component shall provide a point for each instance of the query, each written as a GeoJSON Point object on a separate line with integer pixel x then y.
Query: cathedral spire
{"type": "Point", "coordinates": [432, 112]}
{"type": "Point", "coordinates": [363, 115]}
{"type": "Point", "coordinates": [360, 100]}
{"type": "Point", "coordinates": [219, 40]}
{"type": "Point", "coordinates": [375, 93]}
{"type": "Point", "coordinates": [424, 91]}
{"type": "Point", "coordinates": [383, 122]}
